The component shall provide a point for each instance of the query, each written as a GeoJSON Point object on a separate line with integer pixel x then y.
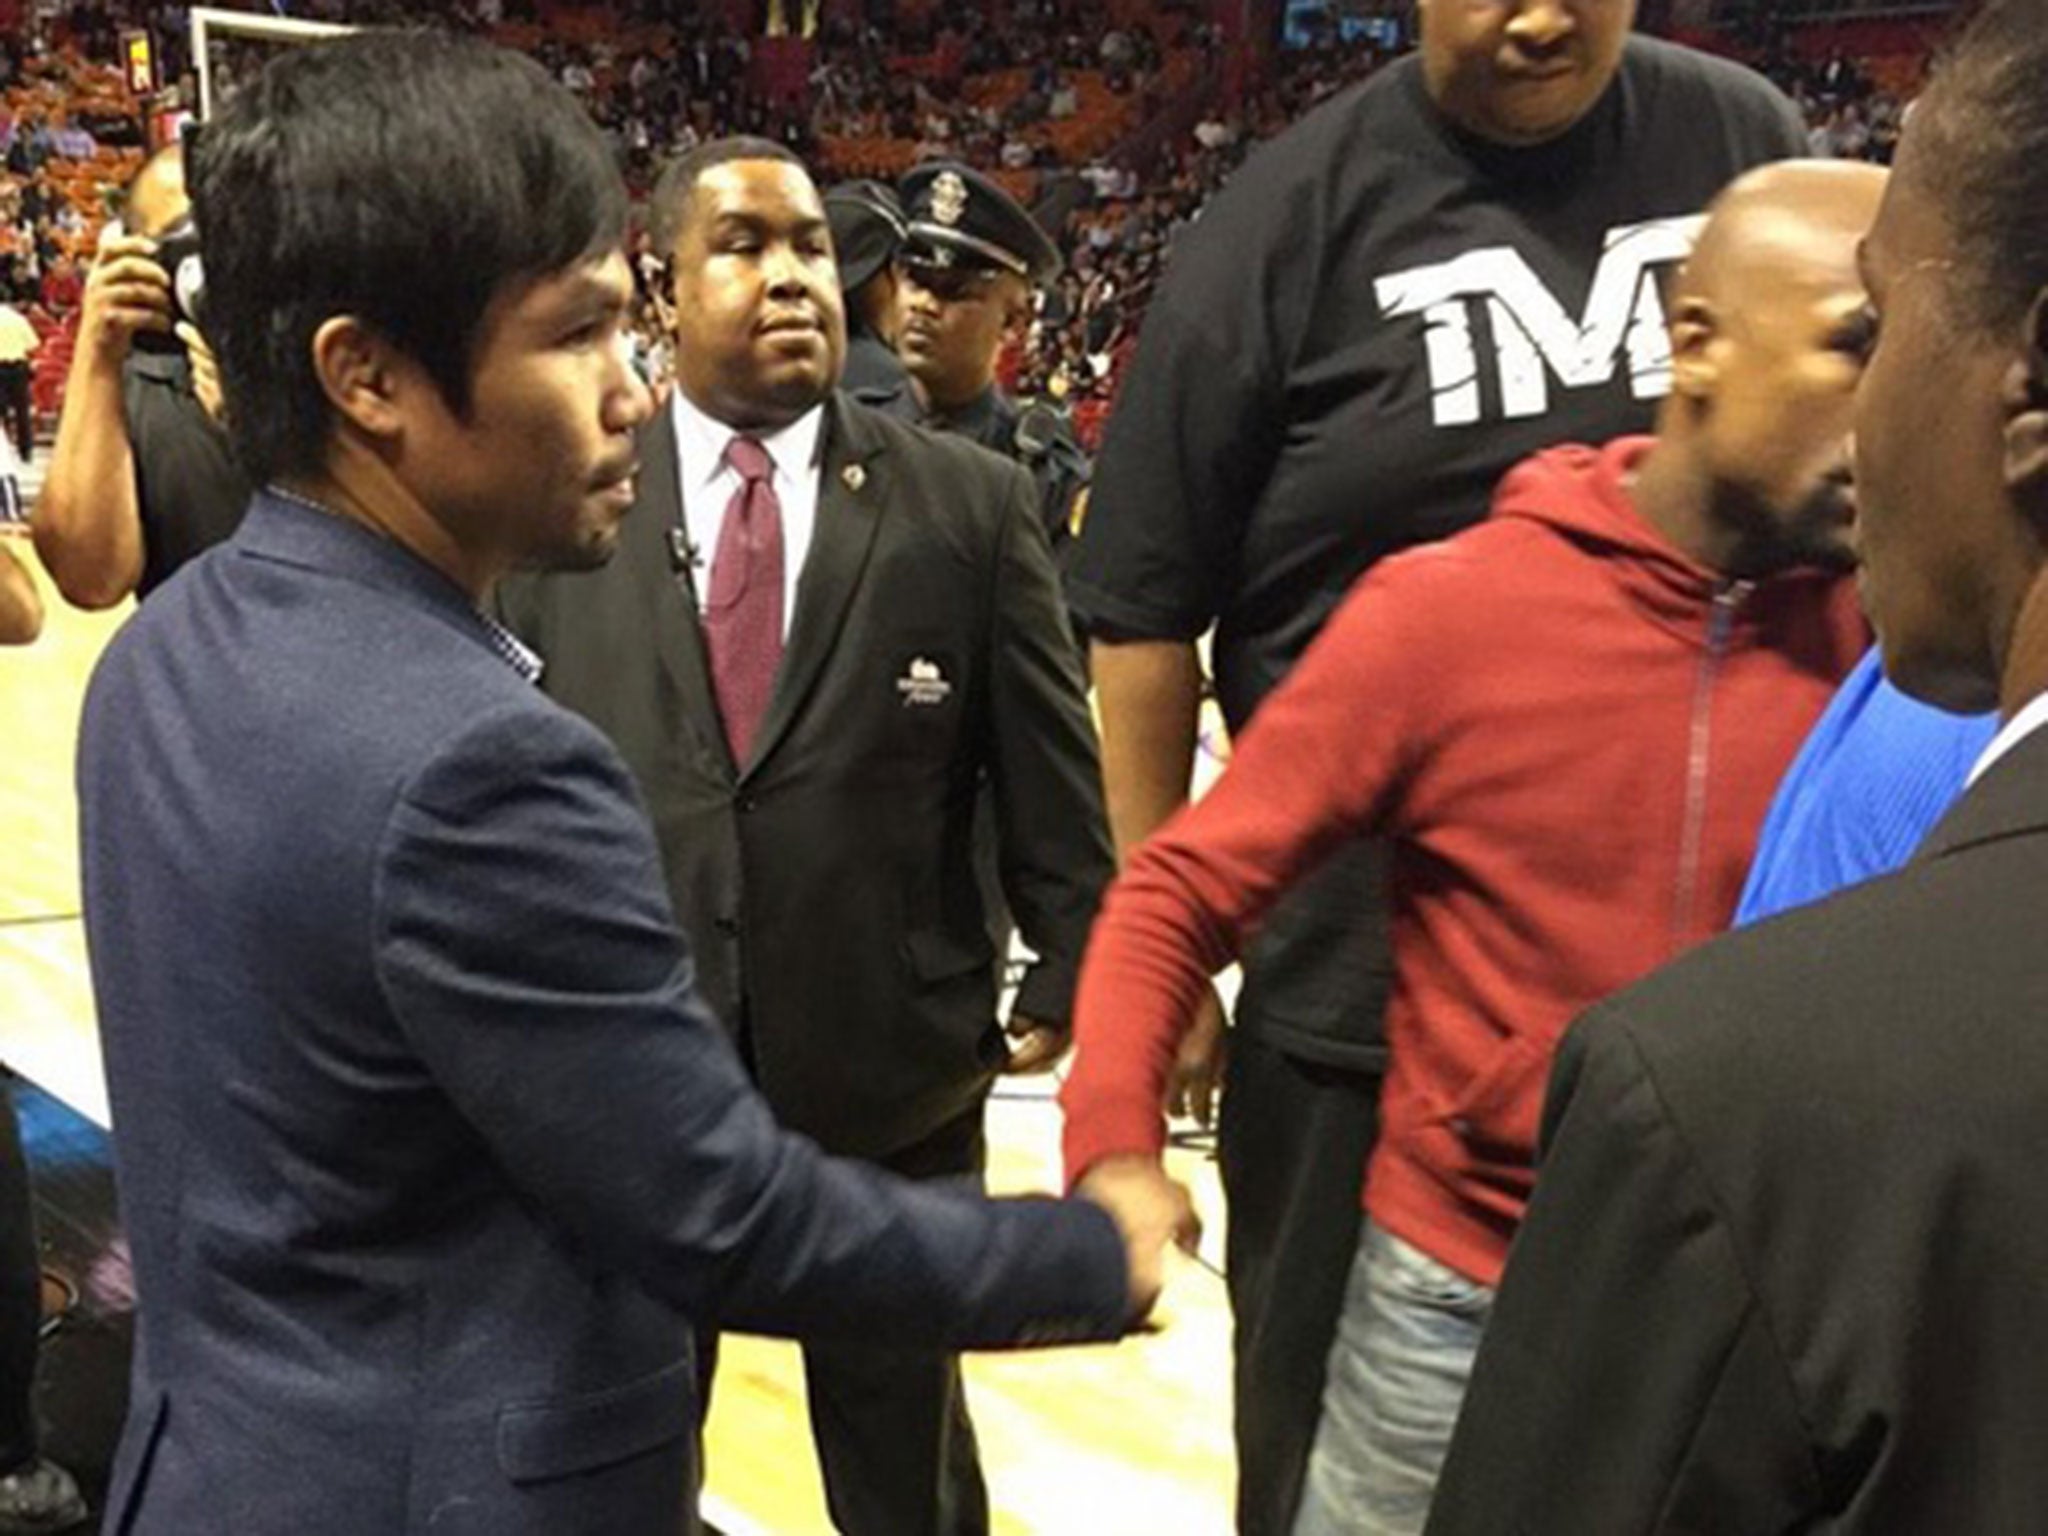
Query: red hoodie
{"type": "Point", "coordinates": [1569, 732]}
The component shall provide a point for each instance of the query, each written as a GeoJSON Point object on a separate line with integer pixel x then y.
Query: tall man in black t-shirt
{"type": "Point", "coordinates": [1432, 276]}
{"type": "Point", "coordinates": [141, 478]}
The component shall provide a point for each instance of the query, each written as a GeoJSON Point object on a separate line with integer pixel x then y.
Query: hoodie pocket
{"type": "Point", "coordinates": [1487, 1132]}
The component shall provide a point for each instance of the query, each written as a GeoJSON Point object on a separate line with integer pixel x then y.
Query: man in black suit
{"type": "Point", "coordinates": [814, 770]}
{"type": "Point", "coordinates": [1784, 1267]}
{"type": "Point", "coordinates": [432, 1156]}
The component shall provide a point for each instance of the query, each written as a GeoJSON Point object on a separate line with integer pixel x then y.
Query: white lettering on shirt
{"type": "Point", "coordinates": [1534, 338]}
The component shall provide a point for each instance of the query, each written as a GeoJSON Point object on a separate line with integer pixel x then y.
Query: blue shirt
{"type": "Point", "coordinates": [1877, 772]}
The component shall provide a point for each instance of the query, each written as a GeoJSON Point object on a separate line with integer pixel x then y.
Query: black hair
{"type": "Point", "coordinates": [669, 205]}
{"type": "Point", "coordinates": [1983, 141]}
{"type": "Point", "coordinates": [405, 178]}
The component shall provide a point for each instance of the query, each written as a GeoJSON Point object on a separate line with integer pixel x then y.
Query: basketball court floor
{"type": "Point", "coordinates": [1101, 1441]}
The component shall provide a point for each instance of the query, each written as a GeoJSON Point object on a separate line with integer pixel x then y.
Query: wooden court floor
{"type": "Point", "coordinates": [1128, 1440]}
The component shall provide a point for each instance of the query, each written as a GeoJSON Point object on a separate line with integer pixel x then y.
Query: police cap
{"type": "Point", "coordinates": [960, 218]}
{"type": "Point", "coordinates": [867, 229]}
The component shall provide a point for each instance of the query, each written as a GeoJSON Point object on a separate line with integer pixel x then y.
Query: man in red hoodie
{"type": "Point", "coordinates": [1568, 722]}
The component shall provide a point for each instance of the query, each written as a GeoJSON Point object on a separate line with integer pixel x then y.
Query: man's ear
{"type": "Point", "coordinates": [2026, 409]}
{"type": "Point", "coordinates": [355, 367]}
{"type": "Point", "coordinates": [1017, 306]}
{"type": "Point", "coordinates": [1695, 364]}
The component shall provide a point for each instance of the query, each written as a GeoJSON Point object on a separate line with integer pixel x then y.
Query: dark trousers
{"type": "Point", "coordinates": [20, 1292]}
{"type": "Point", "coordinates": [17, 407]}
{"type": "Point", "coordinates": [894, 1441]}
{"type": "Point", "coordinates": [1292, 1141]}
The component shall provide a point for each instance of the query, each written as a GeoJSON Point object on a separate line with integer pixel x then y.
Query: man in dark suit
{"type": "Point", "coordinates": [431, 1153]}
{"type": "Point", "coordinates": [1784, 1267]}
{"type": "Point", "coordinates": [918, 663]}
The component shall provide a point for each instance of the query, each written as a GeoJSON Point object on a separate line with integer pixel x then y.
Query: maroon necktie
{"type": "Point", "coordinates": [743, 615]}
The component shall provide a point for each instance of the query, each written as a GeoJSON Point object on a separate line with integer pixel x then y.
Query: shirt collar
{"type": "Point", "coordinates": [2022, 725]}
{"type": "Point", "coordinates": [703, 438]}
{"type": "Point", "coordinates": [522, 658]}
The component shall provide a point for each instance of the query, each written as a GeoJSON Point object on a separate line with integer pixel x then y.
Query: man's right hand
{"type": "Point", "coordinates": [125, 292]}
{"type": "Point", "coordinates": [1151, 1211]}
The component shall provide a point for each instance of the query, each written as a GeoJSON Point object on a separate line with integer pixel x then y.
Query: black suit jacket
{"type": "Point", "coordinates": [1787, 1264]}
{"type": "Point", "coordinates": [830, 884]}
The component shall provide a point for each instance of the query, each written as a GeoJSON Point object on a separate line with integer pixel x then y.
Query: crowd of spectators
{"type": "Point", "coordinates": [1850, 115]}
{"type": "Point", "coordinates": [1001, 89]}
{"type": "Point", "coordinates": [69, 136]}
{"type": "Point", "coordinates": [1033, 91]}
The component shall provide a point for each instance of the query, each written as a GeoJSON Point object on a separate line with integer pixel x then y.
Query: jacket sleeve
{"type": "Point", "coordinates": [1052, 830]}
{"type": "Point", "coordinates": [1629, 1381]}
{"type": "Point", "coordinates": [1324, 758]}
{"type": "Point", "coordinates": [526, 947]}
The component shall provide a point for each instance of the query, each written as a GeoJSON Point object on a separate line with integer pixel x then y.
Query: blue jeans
{"type": "Point", "coordinates": [1397, 1375]}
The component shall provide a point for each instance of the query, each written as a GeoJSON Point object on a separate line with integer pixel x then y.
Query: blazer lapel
{"type": "Point", "coordinates": [659, 536]}
{"type": "Point", "coordinates": [852, 488]}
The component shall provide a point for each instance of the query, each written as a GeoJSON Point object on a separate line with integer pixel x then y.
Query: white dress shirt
{"type": "Point", "coordinates": [708, 484]}
{"type": "Point", "coordinates": [2012, 733]}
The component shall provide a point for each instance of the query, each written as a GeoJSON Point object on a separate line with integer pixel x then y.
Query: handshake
{"type": "Point", "coordinates": [1151, 1211]}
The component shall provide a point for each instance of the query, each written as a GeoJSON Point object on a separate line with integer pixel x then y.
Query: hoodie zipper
{"type": "Point", "coordinates": [1727, 599]}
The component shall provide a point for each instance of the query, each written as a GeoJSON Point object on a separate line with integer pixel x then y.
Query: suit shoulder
{"type": "Point", "coordinates": [921, 444]}
{"type": "Point", "coordinates": [1754, 1019]}
{"type": "Point", "coordinates": [977, 484]}
{"type": "Point", "coordinates": [506, 741]}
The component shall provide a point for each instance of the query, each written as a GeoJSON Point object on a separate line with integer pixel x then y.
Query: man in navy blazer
{"type": "Point", "coordinates": [429, 1153]}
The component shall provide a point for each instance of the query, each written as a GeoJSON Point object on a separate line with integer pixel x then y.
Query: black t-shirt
{"type": "Point", "coordinates": [1371, 324]}
{"type": "Point", "coordinates": [191, 491]}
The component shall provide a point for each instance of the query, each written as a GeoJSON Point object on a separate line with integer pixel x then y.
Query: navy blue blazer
{"type": "Point", "coordinates": [429, 1153]}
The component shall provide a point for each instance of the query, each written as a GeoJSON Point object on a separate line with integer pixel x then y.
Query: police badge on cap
{"type": "Point", "coordinates": [960, 218]}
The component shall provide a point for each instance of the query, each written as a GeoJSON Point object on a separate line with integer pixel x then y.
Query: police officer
{"type": "Point", "coordinates": [867, 233]}
{"type": "Point", "coordinates": [969, 264]}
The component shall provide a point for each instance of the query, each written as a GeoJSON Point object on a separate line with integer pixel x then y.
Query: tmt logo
{"type": "Point", "coordinates": [1533, 336]}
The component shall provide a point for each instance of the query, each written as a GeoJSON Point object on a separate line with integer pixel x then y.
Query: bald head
{"type": "Point", "coordinates": [156, 199]}
{"type": "Point", "coordinates": [1781, 232]}
{"type": "Point", "coordinates": [1770, 329]}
